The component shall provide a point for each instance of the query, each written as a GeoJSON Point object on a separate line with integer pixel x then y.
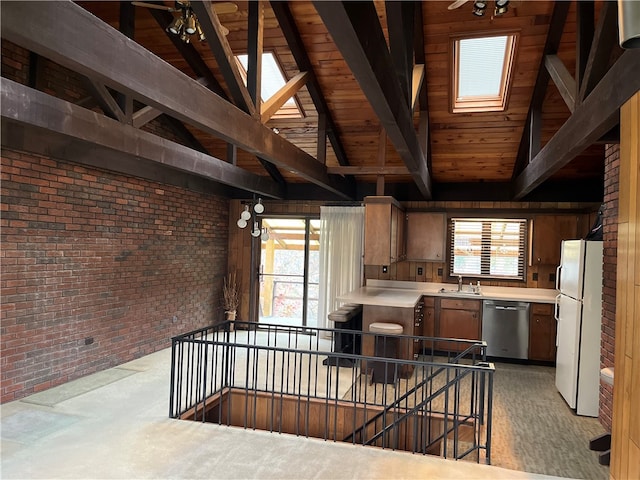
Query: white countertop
{"type": "Point", "coordinates": [400, 294]}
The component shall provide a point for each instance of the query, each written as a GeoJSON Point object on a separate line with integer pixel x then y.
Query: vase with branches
{"type": "Point", "coordinates": [231, 296]}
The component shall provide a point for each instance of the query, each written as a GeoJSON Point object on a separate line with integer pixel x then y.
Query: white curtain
{"type": "Point", "coordinates": [341, 250]}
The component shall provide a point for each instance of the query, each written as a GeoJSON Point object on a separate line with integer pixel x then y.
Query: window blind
{"type": "Point", "coordinates": [484, 247]}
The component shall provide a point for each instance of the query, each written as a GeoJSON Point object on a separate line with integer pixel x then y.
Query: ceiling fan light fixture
{"type": "Point", "coordinates": [200, 32]}
{"type": "Point", "coordinates": [175, 27]}
{"type": "Point", "coordinates": [190, 24]}
{"type": "Point", "coordinates": [479, 6]}
{"type": "Point", "coordinates": [501, 7]}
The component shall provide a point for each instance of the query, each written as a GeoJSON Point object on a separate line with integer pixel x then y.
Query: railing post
{"type": "Point", "coordinates": [173, 377]}
{"type": "Point", "coordinates": [489, 414]}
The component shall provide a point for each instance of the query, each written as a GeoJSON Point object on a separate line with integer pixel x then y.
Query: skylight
{"type": "Point", "coordinates": [481, 73]}
{"type": "Point", "coordinates": [272, 80]}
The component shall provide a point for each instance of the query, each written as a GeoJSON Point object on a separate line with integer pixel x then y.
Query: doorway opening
{"type": "Point", "coordinates": [289, 271]}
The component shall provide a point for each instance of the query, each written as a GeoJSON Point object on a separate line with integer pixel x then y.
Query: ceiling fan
{"type": "Point", "coordinates": [187, 24]}
{"type": "Point", "coordinates": [457, 4]}
{"type": "Point", "coordinates": [479, 6]}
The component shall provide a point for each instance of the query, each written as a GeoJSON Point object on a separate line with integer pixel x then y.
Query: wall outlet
{"type": "Point", "coordinates": [385, 269]}
{"type": "Point", "coordinates": [535, 277]}
{"type": "Point", "coordinates": [419, 270]}
{"type": "Point", "coordinates": [439, 272]}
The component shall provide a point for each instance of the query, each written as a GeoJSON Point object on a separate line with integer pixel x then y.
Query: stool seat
{"type": "Point", "coordinates": [386, 328]}
{"type": "Point", "coordinates": [606, 375]}
{"type": "Point", "coordinates": [339, 315]}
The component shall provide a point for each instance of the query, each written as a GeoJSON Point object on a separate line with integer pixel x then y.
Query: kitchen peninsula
{"type": "Point", "coordinates": [439, 310]}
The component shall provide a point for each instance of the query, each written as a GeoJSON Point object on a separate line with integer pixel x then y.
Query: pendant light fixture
{"type": "Point", "coordinates": [250, 211]}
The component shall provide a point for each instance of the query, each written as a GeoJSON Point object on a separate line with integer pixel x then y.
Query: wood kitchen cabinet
{"type": "Point", "coordinates": [429, 317]}
{"type": "Point", "coordinates": [384, 240]}
{"type": "Point", "coordinates": [458, 318]}
{"type": "Point", "coordinates": [548, 233]}
{"type": "Point", "coordinates": [542, 333]}
{"type": "Point", "coordinates": [425, 233]}
{"type": "Point", "coordinates": [401, 316]}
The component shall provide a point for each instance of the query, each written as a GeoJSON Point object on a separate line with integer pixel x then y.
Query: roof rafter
{"type": "Point", "coordinates": [296, 45]}
{"type": "Point", "coordinates": [72, 131]}
{"type": "Point", "coordinates": [594, 117]}
{"type": "Point", "coordinates": [529, 143]}
{"type": "Point", "coordinates": [137, 72]}
{"type": "Point", "coordinates": [357, 33]}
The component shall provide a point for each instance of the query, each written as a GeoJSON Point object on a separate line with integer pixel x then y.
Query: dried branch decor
{"type": "Point", "coordinates": [230, 293]}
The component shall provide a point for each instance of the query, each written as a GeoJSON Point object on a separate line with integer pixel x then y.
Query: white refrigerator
{"type": "Point", "coordinates": [578, 312]}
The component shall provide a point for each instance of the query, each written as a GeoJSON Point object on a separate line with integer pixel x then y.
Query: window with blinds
{"type": "Point", "coordinates": [488, 247]}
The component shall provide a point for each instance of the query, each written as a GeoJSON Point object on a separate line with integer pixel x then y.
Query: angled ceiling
{"type": "Point", "coordinates": [359, 64]}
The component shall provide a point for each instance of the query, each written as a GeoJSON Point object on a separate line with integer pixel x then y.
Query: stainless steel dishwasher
{"type": "Point", "coordinates": [505, 328]}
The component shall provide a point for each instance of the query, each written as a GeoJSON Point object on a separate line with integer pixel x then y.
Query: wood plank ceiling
{"type": "Point", "coordinates": [479, 156]}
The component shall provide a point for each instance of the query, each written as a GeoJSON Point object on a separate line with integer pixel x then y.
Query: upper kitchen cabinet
{"type": "Point", "coordinates": [425, 233]}
{"type": "Point", "coordinates": [548, 233]}
{"type": "Point", "coordinates": [384, 241]}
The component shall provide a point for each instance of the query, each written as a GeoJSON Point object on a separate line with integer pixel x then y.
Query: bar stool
{"type": "Point", "coordinates": [347, 317]}
{"type": "Point", "coordinates": [385, 346]}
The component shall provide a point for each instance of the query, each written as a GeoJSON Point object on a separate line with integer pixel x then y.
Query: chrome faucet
{"type": "Point", "coordinates": [459, 283]}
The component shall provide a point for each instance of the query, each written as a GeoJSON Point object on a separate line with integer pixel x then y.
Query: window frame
{"type": "Point", "coordinates": [482, 103]}
{"type": "Point", "coordinates": [522, 256]}
{"type": "Point", "coordinates": [286, 111]}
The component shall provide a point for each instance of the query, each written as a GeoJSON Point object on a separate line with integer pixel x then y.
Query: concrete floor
{"type": "Point", "coordinates": [114, 424]}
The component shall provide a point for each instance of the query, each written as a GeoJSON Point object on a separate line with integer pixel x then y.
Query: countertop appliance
{"type": "Point", "coordinates": [505, 328]}
{"type": "Point", "coordinates": [578, 311]}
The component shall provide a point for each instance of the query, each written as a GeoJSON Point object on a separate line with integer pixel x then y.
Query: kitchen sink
{"type": "Point", "coordinates": [464, 292]}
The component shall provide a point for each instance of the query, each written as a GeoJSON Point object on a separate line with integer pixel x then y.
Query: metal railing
{"type": "Point", "coordinates": [285, 379]}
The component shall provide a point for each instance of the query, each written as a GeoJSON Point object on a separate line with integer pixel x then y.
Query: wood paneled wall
{"type": "Point", "coordinates": [625, 461]}
{"type": "Point", "coordinates": [240, 260]}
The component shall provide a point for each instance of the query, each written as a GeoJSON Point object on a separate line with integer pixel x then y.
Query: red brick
{"type": "Point", "coordinates": [91, 278]}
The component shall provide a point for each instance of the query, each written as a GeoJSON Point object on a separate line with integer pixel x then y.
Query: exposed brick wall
{"type": "Point", "coordinates": [610, 240]}
{"type": "Point", "coordinates": [99, 268]}
{"type": "Point", "coordinates": [15, 62]}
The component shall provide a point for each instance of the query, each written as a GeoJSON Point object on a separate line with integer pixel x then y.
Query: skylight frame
{"type": "Point", "coordinates": [290, 109]}
{"type": "Point", "coordinates": [479, 103]}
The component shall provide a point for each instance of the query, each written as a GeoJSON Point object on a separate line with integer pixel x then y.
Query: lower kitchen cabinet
{"type": "Point", "coordinates": [429, 318]}
{"type": "Point", "coordinates": [542, 333]}
{"type": "Point", "coordinates": [458, 318]}
{"type": "Point", "coordinates": [401, 316]}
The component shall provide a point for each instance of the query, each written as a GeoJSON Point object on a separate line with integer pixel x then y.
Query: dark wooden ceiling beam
{"type": "Point", "coordinates": [73, 132]}
{"type": "Point", "coordinates": [525, 150]}
{"type": "Point", "coordinates": [105, 100]}
{"type": "Point", "coordinates": [592, 119]}
{"type": "Point", "coordinates": [224, 56]}
{"type": "Point", "coordinates": [296, 45]}
{"type": "Point", "coordinates": [604, 40]}
{"type": "Point", "coordinates": [563, 80]}
{"type": "Point", "coordinates": [585, 15]}
{"type": "Point", "coordinates": [255, 41]}
{"type": "Point", "coordinates": [255, 31]}
{"type": "Point", "coordinates": [357, 33]}
{"type": "Point", "coordinates": [400, 25]}
{"type": "Point", "coordinates": [369, 169]}
{"type": "Point", "coordinates": [424, 134]}
{"type": "Point", "coordinates": [145, 115]}
{"type": "Point", "coordinates": [137, 72]}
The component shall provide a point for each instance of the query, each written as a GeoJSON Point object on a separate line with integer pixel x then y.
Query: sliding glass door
{"type": "Point", "coordinates": [289, 271]}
